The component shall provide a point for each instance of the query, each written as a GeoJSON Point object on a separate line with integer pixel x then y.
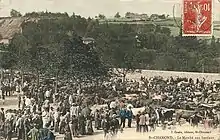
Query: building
{"type": "Point", "coordinates": [9, 27]}
{"type": "Point", "coordinates": [154, 17]}
{"type": "Point", "coordinates": [136, 16]}
{"type": "Point", "coordinates": [143, 16]}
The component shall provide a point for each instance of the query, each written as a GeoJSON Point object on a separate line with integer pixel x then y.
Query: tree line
{"type": "Point", "coordinates": [54, 46]}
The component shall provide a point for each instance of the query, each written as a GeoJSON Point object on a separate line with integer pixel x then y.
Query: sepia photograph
{"type": "Point", "coordinates": [109, 69]}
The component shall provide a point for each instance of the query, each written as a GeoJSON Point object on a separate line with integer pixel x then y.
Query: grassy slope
{"type": "Point", "coordinates": [170, 22]}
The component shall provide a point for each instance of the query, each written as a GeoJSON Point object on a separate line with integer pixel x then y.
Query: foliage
{"type": "Point", "coordinates": [101, 16]}
{"type": "Point", "coordinates": [51, 47]}
{"type": "Point", "coordinates": [117, 15]}
{"type": "Point", "coordinates": [54, 46]}
{"type": "Point", "coordinates": [46, 14]}
{"type": "Point", "coordinates": [15, 13]}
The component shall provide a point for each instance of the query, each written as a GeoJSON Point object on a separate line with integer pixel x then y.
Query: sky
{"type": "Point", "coordinates": [91, 8]}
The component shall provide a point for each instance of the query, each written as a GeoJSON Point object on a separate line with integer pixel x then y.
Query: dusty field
{"type": "Point", "coordinates": [167, 74]}
{"type": "Point", "coordinates": [175, 132]}
{"type": "Point", "coordinates": [10, 103]}
{"type": "Point", "coordinates": [178, 133]}
{"type": "Point", "coordinates": [184, 132]}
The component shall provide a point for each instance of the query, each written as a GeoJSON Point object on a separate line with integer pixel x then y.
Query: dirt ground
{"type": "Point", "coordinates": [184, 132]}
{"type": "Point", "coordinates": [167, 74]}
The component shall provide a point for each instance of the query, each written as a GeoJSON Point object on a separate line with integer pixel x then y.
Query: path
{"type": "Point", "coordinates": [179, 133]}
{"type": "Point", "coordinates": [10, 102]}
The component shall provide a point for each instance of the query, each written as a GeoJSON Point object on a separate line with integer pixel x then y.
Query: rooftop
{"type": "Point", "coordinates": [10, 26]}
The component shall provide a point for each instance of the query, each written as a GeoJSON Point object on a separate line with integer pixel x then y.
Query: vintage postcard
{"type": "Point", "coordinates": [109, 69]}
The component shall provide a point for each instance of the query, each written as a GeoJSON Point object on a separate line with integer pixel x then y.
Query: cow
{"type": "Point", "coordinates": [166, 114]}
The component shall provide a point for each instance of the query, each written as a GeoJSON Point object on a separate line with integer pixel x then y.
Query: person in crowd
{"type": "Point", "coordinates": [97, 117]}
{"type": "Point", "coordinates": [20, 127]}
{"type": "Point", "coordinates": [114, 124]}
{"type": "Point", "coordinates": [89, 125]}
{"type": "Point", "coordinates": [122, 115]}
{"type": "Point", "coordinates": [75, 126]}
{"type": "Point", "coordinates": [26, 123]}
{"type": "Point", "coordinates": [129, 116]}
{"type": "Point", "coordinates": [142, 122]}
{"type": "Point", "coordinates": [74, 110]}
{"type": "Point", "coordinates": [72, 114]}
{"type": "Point", "coordinates": [46, 134]}
{"type": "Point", "coordinates": [152, 122]}
{"type": "Point", "coordinates": [106, 125]}
{"type": "Point", "coordinates": [147, 121]}
{"type": "Point", "coordinates": [34, 133]}
{"type": "Point", "coordinates": [9, 129]}
{"type": "Point", "coordinates": [82, 124]}
{"type": "Point", "coordinates": [67, 133]}
{"type": "Point", "coordinates": [137, 118]}
{"type": "Point", "coordinates": [195, 119]}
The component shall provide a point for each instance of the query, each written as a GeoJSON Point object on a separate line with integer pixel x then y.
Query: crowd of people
{"type": "Point", "coordinates": [69, 109]}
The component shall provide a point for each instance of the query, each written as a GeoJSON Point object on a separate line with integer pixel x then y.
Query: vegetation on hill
{"type": "Point", "coordinates": [54, 46]}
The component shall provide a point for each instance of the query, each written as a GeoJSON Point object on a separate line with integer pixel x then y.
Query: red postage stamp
{"type": "Point", "coordinates": [197, 18]}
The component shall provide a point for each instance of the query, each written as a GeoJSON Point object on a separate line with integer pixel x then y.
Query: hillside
{"type": "Point", "coordinates": [173, 24]}
{"type": "Point", "coordinates": [139, 45]}
{"type": "Point", "coordinates": [9, 26]}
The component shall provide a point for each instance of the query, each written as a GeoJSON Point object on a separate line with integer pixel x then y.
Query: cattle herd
{"type": "Point", "coordinates": [47, 107]}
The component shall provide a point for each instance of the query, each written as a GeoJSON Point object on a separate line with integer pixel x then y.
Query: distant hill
{"type": "Point", "coordinates": [9, 26]}
{"type": "Point", "coordinates": [173, 24]}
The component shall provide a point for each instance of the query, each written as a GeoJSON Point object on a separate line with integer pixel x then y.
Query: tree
{"type": "Point", "coordinates": [83, 62]}
{"type": "Point", "coordinates": [117, 15]}
{"type": "Point", "coordinates": [163, 16]}
{"type": "Point", "coordinates": [73, 15]}
{"type": "Point", "coordinates": [166, 62]}
{"type": "Point", "coordinates": [39, 60]}
{"type": "Point", "coordinates": [127, 14]}
{"type": "Point", "coordinates": [17, 56]}
{"type": "Point", "coordinates": [56, 40]}
{"type": "Point", "coordinates": [123, 52]}
{"type": "Point", "coordinates": [15, 13]}
{"type": "Point", "coordinates": [101, 16]}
